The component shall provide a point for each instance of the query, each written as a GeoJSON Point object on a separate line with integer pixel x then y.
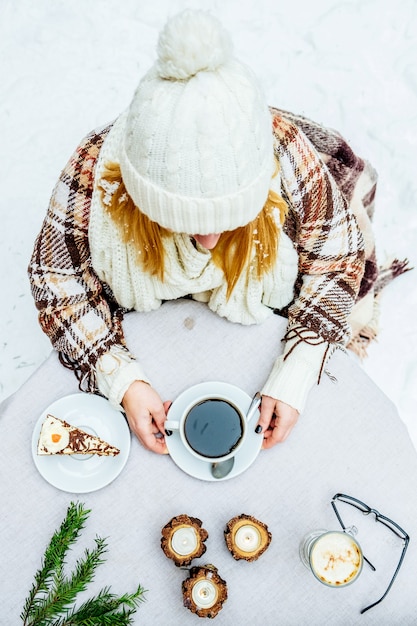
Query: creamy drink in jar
{"type": "Point", "coordinates": [334, 557]}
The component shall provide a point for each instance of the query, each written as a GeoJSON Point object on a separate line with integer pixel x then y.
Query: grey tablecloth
{"type": "Point", "coordinates": [350, 439]}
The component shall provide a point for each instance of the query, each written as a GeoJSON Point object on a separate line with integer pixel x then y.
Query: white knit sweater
{"type": "Point", "coordinates": [190, 271]}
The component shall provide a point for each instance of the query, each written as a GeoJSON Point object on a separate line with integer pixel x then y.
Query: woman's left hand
{"type": "Point", "coordinates": [277, 419]}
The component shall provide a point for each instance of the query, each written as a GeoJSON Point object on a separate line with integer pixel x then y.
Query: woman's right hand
{"type": "Point", "coordinates": [146, 414]}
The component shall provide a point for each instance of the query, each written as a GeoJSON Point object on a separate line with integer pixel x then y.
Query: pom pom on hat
{"type": "Point", "coordinates": [191, 42]}
{"type": "Point", "coordinates": [196, 156]}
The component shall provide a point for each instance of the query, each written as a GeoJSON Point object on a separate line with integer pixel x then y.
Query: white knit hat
{"type": "Point", "coordinates": [197, 153]}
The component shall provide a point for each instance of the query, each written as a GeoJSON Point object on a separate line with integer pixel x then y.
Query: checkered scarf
{"type": "Point", "coordinates": [319, 176]}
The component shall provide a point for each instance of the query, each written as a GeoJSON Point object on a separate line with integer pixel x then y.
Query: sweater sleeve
{"type": "Point", "coordinates": [76, 310]}
{"type": "Point", "coordinates": [331, 264]}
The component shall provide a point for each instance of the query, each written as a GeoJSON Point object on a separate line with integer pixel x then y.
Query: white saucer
{"type": "Point", "coordinates": [75, 473]}
{"type": "Point", "coordinates": [202, 469]}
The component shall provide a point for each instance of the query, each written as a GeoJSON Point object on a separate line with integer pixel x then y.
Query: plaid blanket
{"type": "Point", "coordinates": [321, 176]}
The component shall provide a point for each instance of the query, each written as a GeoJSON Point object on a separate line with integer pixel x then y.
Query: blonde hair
{"type": "Point", "coordinates": [233, 252]}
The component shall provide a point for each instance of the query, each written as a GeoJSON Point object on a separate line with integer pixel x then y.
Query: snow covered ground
{"type": "Point", "coordinates": [68, 66]}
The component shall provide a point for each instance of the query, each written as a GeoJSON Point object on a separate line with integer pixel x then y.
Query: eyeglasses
{"type": "Point", "coordinates": [386, 521]}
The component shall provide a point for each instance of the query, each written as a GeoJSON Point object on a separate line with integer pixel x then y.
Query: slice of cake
{"type": "Point", "coordinates": [59, 437]}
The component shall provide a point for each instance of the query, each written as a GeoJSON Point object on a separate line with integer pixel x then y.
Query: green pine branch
{"type": "Point", "coordinates": [52, 596]}
{"type": "Point", "coordinates": [54, 557]}
{"type": "Point", "coordinates": [100, 610]}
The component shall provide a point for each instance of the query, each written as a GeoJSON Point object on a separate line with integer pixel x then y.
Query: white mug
{"type": "Point", "coordinates": [212, 428]}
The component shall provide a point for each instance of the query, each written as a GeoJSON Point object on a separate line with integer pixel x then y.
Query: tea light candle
{"type": "Point", "coordinates": [248, 538]}
{"type": "Point", "coordinates": [204, 594]}
{"type": "Point", "coordinates": [184, 540]}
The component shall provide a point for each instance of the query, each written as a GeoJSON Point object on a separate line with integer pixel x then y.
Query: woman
{"type": "Point", "coordinates": [200, 190]}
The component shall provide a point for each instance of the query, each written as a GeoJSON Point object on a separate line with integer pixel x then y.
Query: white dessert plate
{"type": "Point", "coordinates": [245, 456]}
{"type": "Point", "coordinates": [78, 473]}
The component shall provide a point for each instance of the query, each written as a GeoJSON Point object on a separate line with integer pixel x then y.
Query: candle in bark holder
{"type": "Point", "coordinates": [183, 539]}
{"type": "Point", "coordinates": [204, 591]}
{"type": "Point", "coordinates": [246, 537]}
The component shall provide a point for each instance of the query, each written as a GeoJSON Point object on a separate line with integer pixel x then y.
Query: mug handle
{"type": "Point", "coordinates": [171, 425]}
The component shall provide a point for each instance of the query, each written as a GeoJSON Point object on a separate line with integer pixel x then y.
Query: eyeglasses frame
{"type": "Point", "coordinates": [386, 521]}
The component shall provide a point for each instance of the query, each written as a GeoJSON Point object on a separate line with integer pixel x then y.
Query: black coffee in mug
{"type": "Point", "coordinates": [213, 428]}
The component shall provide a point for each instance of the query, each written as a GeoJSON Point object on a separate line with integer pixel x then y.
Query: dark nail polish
{"type": "Point", "coordinates": [258, 429]}
{"type": "Point", "coordinates": [168, 433]}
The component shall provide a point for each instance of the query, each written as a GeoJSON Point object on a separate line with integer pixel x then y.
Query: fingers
{"type": "Point", "coordinates": [153, 442]}
{"type": "Point", "coordinates": [146, 415]}
{"type": "Point", "coordinates": [277, 419]}
{"type": "Point", "coordinates": [158, 415]}
{"type": "Point", "coordinates": [156, 442]}
{"type": "Point", "coordinates": [147, 431]}
{"type": "Point", "coordinates": [267, 412]}
{"type": "Point", "coordinates": [277, 434]}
